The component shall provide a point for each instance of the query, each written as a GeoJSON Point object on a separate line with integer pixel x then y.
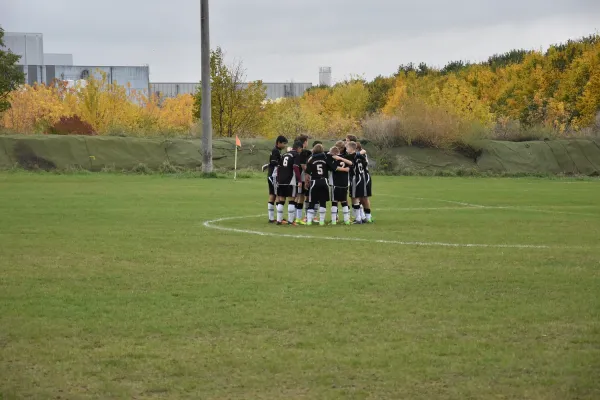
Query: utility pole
{"type": "Point", "coordinates": [207, 162]}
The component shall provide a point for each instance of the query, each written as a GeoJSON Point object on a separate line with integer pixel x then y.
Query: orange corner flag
{"type": "Point", "coordinates": [237, 141]}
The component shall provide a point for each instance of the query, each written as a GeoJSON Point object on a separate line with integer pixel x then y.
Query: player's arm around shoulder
{"type": "Point", "coordinates": [342, 159]}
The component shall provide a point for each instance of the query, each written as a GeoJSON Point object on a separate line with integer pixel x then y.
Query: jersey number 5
{"type": "Point", "coordinates": [285, 161]}
{"type": "Point", "coordinates": [320, 169]}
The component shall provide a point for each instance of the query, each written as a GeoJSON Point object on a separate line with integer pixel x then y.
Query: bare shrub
{"type": "Point", "coordinates": [383, 131]}
{"type": "Point", "coordinates": [417, 124]}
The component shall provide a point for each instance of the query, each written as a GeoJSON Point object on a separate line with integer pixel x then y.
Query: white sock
{"type": "Point", "coordinates": [298, 213]}
{"type": "Point", "coordinates": [334, 211]}
{"type": "Point", "coordinates": [356, 212]}
{"type": "Point", "coordinates": [291, 212]}
{"type": "Point", "coordinates": [306, 205]}
{"type": "Point", "coordinates": [279, 212]}
{"type": "Point", "coordinates": [362, 213]}
{"type": "Point", "coordinates": [353, 212]}
{"type": "Point", "coordinates": [322, 212]}
{"type": "Point", "coordinates": [271, 208]}
{"type": "Point", "coordinates": [346, 213]}
{"type": "Point", "coordinates": [310, 214]}
{"type": "Point", "coordinates": [368, 215]}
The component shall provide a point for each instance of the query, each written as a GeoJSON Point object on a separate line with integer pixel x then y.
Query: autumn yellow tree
{"type": "Point", "coordinates": [236, 106]}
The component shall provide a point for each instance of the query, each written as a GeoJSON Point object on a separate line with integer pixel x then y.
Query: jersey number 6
{"type": "Point", "coordinates": [285, 161]}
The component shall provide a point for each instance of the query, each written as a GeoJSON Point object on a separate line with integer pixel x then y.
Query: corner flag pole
{"type": "Point", "coordinates": [237, 143]}
{"type": "Point", "coordinates": [235, 165]}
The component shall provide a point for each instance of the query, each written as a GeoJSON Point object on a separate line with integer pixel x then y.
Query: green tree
{"type": "Point", "coordinates": [379, 89]}
{"type": "Point", "coordinates": [11, 74]}
{"type": "Point", "coordinates": [235, 105]}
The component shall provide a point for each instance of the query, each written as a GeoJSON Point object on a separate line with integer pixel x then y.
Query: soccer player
{"type": "Point", "coordinates": [360, 184]}
{"type": "Point", "coordinates": [288, 181]}
{"type": "Point", "coordinates": [318, 168]}
{"type": "Point", "coordinates": [274, 159]}
{"type": "Point", "coordinates": [341, 145]}
{"type": "Point", "coordinates": [338, 180]}
{"type": "Point", "coordinates": [353, 138]}
{"type": "Point", "coordinates": [303, 157]}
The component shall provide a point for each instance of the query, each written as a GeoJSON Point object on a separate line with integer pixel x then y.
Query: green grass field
{"type": "Point", "coordinates": [115, 286]}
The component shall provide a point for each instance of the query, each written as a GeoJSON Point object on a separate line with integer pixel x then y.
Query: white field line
{"type": "Point", "coordinates": [460, 203]}
{"type": "Point", "coordinates": [481, 206]}
{"type": "Point", "coordinates": [562, 207]}
{"type": "Point", "coordinates": [427, 208]}
{"type": "Point", "coordinates": [517, 208]}
{"type": "Point", "coordinates": [212, 224]}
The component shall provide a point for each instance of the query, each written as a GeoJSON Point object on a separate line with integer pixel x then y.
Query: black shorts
{"type": "Point", "coordinates": [339, 194]}
{"type": "Point", "coordinates": [361, 186]}
{"type": "Point", "coordinates": [319, 191]}
{"type": "Point", "coordinates": [286, 190]}
{"type": "Point", "coordinates": [272, 191]}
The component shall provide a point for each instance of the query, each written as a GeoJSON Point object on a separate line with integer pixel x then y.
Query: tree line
{"type": "Point", "coordinates": [518, 95]}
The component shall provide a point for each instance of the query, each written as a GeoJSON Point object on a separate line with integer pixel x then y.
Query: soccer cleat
{"type": "Point", "coordinates": [309, 223]}
{"type": "Point", "coordinates": [316, 219]}
{"type": "Point", "coordinates": [364, 221]}
{"type": "Point", "coordinates": [370, 220]}
{"type": "Point", "coordinates": [293, 223]}
{"type": "Point", "coordinates": [321, 223]}
{"type": "Point", "coordinates": [300, 222]}
{"type": "Point", "coordinates": [272, 221]}
{"type": "Point", "coordinates": [279, 223]}
{"type": "Point", "coordinates": [333, 222]}
{"type": "Point", "coordinates": [357, 222]}
{"type": "Point", "coordinates": [347, 223]}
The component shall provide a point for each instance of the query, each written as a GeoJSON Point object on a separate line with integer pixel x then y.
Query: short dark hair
{"type": "Point", "coordinates": [316, 142]}
{"type": "Point", "coordinates": [302, 138]}
{"type": "Point", "coordinates": [281, 139]}
{"type": "Point", "coordinates": [298, 144]}
{"type": "Point", "coordinates": [352, 138]}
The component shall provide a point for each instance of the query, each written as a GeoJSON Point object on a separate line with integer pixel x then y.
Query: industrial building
{"type": "Point", "coordinates": [40, 67]}
{"type": "Point", "coordinates": [274, 90]}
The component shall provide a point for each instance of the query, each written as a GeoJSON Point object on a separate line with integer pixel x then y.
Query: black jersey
{"type": "Point", "coordinates": [303, 157]}
{"type": "Point", "coordinates": [351, 158]}
{"type": "Point", "coordinates": [274, 160]}
{"type": "Point", "coordinates": [289, 169]}
{"type": "Point", "coordinates": [338, 178]}
{"type": "Point", "coordinates": [361, 166]}
{"type": "Point", "coordinates": [319, 166]}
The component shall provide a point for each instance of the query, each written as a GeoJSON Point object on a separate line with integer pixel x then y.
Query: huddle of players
{"type": "Point", "coordinates": [307, 179]}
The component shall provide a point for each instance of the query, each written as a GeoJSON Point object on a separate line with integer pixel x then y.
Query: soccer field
{"type": "Point", "coordinates": [116, 286]}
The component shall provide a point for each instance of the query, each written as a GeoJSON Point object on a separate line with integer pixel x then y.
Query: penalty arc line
{"type": "Point", "coordinates": [472, 206]}
{"type": "Point", "coordinates": [211, 224]}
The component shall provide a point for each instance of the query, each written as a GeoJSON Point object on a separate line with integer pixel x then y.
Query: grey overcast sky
{"type": "Point", "coordinates": [283, 40]}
